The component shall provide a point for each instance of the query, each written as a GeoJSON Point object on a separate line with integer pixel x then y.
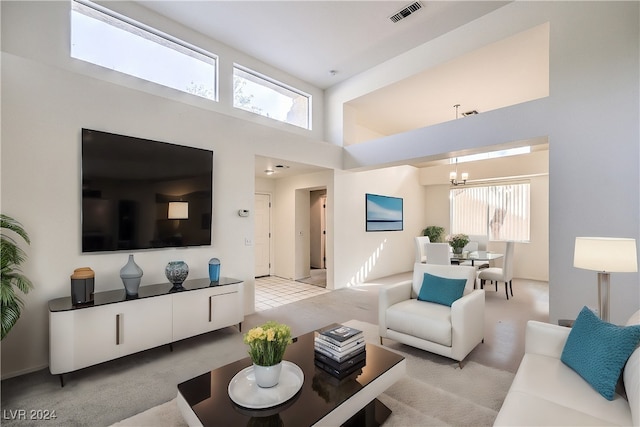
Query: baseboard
{"type": "Point", "coordinates": [23, 372]}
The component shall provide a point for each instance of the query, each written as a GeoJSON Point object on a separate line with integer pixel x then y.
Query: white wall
{"type": "Point", "coordinates": [437, 209]}
{"type": "Point", "coordinates": [265, 185]}
{"type": "Point", "coordinates": [362, 256]}
{"type": "Point", "coordinates": [590, 117]}
{"type": "Point", "coordinates": [46, 100]}
{"type": "Point", "coordinates": [302, 233]}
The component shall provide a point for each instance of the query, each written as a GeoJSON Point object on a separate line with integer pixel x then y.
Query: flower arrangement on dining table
{"type": "Point", "coordinates": [267, 343]}
{"type": "Point", "coordinates": [458, 241]}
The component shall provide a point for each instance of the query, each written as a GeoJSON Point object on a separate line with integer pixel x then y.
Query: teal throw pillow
{"type": "Point", "coordinates": [441, 290]}
{"type": "Point", "coordinates": [598, 350]}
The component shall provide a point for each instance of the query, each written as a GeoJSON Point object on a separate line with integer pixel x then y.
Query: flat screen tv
{"type": "Point", "coordinates": [383, 213]}
{"type": "Point", "coordinates": [143, 194]}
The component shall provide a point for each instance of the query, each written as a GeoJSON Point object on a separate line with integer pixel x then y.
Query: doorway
{"type": "Point", "coordinates": [317, 238]}
{"type": "Point", "coordinates": [318, 230]}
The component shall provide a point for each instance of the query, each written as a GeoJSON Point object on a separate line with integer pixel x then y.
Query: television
{"type": "Point", "coordinates": [383, 213]}
{"type": "Point", "coordinates": [143, 194]}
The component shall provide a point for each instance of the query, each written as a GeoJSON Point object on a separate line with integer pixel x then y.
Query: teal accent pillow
{"type": "Point", "coordinates": [441, 290]}
{"type": "Point", "coordinates": [598, 351]}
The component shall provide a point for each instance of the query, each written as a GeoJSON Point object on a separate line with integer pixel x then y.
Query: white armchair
{"type": "Point", "coordinates": [448, 331]}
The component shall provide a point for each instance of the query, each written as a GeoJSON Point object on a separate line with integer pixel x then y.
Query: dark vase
{"type": "Point", "coordinates": [177, 272]}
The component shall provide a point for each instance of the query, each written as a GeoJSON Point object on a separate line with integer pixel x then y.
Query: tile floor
{"type": "Point", "coordinates": [272, 291]}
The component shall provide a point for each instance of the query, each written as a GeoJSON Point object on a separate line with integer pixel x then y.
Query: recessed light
{"type": "Point", "coordinates": [282, 166]}
{"type": "Point", "coordinates": [269, 171]}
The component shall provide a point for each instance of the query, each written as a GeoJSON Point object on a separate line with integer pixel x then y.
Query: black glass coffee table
{"type": "Point", "coordinates": [322, 400]}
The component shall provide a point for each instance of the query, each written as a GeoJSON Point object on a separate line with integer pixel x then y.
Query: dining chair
{"type": "Point", "coordinates": [481, 240]}
{"type": "Point", "coordinates": [471, 246]}
{"type": "Point", "coordinates": [437, 253]}
{"type": "Point", "coordinates": [504, 274]}
{"type": "Point", "coordinates": [420, 241]}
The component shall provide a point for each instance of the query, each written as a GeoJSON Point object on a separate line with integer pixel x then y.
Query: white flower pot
{"type": "Point", "coordinates": [267, 376]}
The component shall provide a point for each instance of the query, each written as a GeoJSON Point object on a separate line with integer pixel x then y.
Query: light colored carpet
{"type": "Point", "coordinates": [166, 414]}
{"type": "Point", "coordinates": [434, 392]}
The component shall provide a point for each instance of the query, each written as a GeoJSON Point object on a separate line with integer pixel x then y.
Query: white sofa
{"type": "Point", "coordinates": [546, 392]}
{"type": "Point", "coordinates": [448, 331]}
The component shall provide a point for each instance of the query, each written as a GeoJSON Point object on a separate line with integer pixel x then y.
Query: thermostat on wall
{"type": "Point", "coordinates": [243, 212]}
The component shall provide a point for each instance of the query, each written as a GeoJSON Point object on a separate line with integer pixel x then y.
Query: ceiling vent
{"type": "Point", "coordinates": [413, 7]}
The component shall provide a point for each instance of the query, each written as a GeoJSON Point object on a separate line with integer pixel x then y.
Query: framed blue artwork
{"type": "Point", "coordinates": [383, 213]}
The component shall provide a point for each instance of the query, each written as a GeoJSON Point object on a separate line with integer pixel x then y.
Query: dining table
{"type": "Point", "coordinates": [475, 256]}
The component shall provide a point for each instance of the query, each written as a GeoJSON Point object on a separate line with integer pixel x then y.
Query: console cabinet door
{"type": "Point", "coordinates": [146, 323]}
{"type": "Point", "coordinates": [81, 338]}
{"type": "Point", "coordinates": [226, 309]}
{"type": "Point", "coordinates": [197, 312]}
{"type": "Point", "coordinates": [85, 337]}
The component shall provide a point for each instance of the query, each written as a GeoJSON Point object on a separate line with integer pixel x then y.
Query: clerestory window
{"type": "Point", "coordinates": [110, 40]}
{"type": "Point", "coordinates": [491, 155]}
{"type": "Point", "coordinates": [261, 95]}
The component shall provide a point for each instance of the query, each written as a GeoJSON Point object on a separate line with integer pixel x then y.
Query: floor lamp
{"type": "Point", "coordinates": [605, 255]}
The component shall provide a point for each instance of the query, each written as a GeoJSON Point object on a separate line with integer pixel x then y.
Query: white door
{"type": "Point", "coordinates": [262, 244]}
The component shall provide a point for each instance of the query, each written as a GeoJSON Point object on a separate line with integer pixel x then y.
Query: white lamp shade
{"type": "Point", "coordinates": [178, 210]}
{"type": "Point", "coordinates": [608, 254]}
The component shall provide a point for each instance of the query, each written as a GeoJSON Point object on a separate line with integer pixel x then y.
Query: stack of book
{"type": "Point", "coordinates": [340, 350]}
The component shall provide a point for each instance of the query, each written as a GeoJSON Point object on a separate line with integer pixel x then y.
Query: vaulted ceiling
{"type": "Point", "coordinates": [308, 39]}
{"type": "Point", "coordinates": [327, 42]}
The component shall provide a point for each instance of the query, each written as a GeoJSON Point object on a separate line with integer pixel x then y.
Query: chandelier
{"type": "Point", "coordinates": [453, 176]}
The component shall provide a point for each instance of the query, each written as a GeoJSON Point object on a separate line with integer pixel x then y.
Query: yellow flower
{"type": "Point", "coordinates": [271, 335]}
{"type": "Point", "coordinates": [267, 343]}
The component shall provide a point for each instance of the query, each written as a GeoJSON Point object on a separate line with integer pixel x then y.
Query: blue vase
{"type": "Point", "coordinates": [131, 274]}
{"type": "Point", "coordinates": [214, 269]}
{"type": "Point", "coordinates": [177, 272]}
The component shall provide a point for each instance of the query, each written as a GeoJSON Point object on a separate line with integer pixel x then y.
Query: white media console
{"type": "Point", "coordinates": [116, 325]}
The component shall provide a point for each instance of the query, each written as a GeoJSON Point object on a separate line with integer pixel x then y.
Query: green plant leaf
{"type": "Point", "coordinates": [11, 277]}
{"type": "Point", "coordinates": [10, 314]}
{"type": "Point", "coordinates": [9, 223]}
